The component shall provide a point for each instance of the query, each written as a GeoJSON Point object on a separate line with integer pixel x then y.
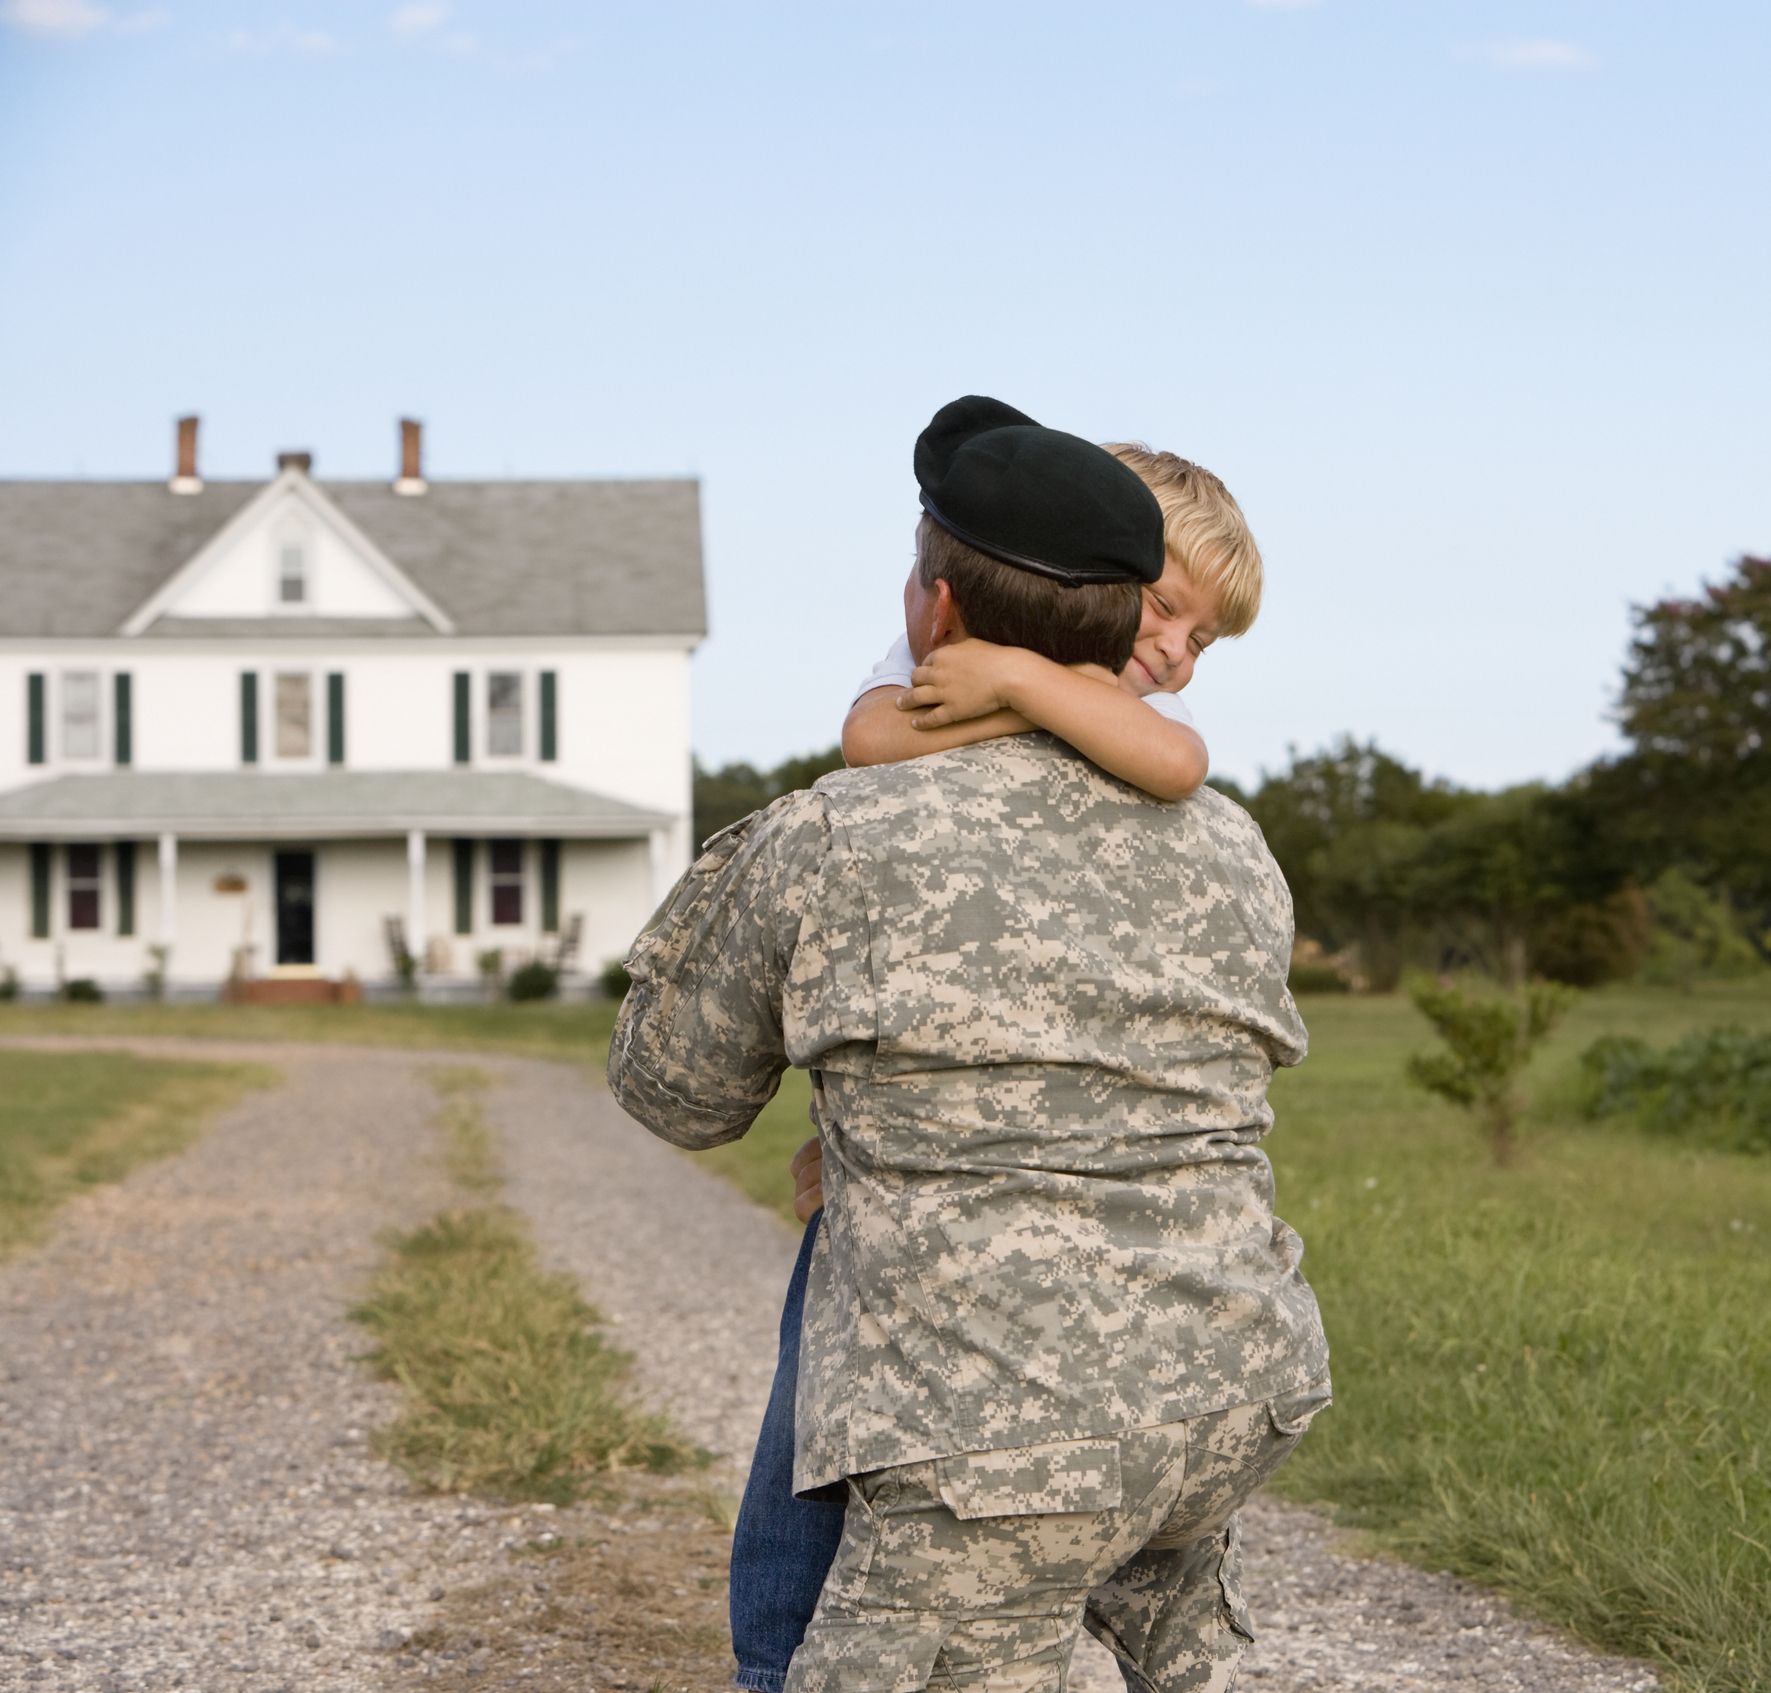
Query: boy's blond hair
{"type": "Point", "coordinates": [1204, 528]}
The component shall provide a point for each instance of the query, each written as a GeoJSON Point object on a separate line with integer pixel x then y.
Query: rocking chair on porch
{"type": "Point", "coordinates": [398, 952]}
{"type": "Point", "coordinates": [566, 943]}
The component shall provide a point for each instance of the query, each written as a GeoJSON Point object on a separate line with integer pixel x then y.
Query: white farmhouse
{"type": "Point", "coordinates": [289, 730]}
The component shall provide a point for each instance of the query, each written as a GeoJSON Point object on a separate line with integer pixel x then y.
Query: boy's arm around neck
{"type": "Point", "coordinates": [877, 732]}
{"type": "Point", "coordinates": [1086, 708]}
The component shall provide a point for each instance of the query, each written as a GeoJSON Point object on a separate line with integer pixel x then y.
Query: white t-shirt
{"type": "Point", "coordinates": [893, 671]}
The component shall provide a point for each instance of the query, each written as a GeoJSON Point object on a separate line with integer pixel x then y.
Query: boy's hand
{"type": "Point", "coordinates": [970, 678]}
{"type": "Point", "coordinates": [807, 1168]}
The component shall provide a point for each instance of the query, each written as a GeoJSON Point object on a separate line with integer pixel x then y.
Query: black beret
{"type": "Point", "coordinates": [1037, 498]}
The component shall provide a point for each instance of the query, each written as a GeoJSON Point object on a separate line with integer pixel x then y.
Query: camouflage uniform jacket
{"type": "Point", "coordinates": [1042, 1011]}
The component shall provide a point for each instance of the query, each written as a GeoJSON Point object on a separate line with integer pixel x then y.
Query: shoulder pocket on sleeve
{"type": "Point", "coordinates": [666, 940]}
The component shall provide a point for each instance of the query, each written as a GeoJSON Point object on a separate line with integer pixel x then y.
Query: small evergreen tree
{"type": "Point", "coordinates": [1488, 1039]}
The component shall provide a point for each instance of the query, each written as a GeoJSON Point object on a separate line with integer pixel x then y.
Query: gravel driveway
{"type": "Point", "coordinates": [186, 1498]}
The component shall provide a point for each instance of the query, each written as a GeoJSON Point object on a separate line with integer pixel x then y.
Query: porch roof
{"type": "Point", "coordinates": [273, 805]}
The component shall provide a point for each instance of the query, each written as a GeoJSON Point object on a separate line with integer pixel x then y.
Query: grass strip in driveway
{"type": "Point", "coordinates": [69, 1121]}
{"type": "Point", "coordinates": [511, 1390]}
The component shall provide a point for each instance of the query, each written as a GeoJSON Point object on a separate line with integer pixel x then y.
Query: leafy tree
{"type": "Point", "coordinates": [1695, 791]}
{"type": "Point", "coordinates": [735, 790]}
{"type": "Point", "coordinates": [1499, 874]}
{"type": "Point", "coordinates": [1697, 685]}
{"type": "Point", "coordinates": [1694, 935]}
{"type": "Point", "coordinates": [1488, 1039]}
{"type": "Point", "coordinates": [1345, 825]}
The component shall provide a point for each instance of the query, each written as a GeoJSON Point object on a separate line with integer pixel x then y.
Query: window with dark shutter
{"type": "Point", "coordinates": [39, 890]}
{"type": "Point", "coordinates": [122, 718]}
{"type": "Point", "coordinates": [550, 734]}
{"type": "Point", "coordinates": [83, 885]}
{"type": "Point", "coordinates": [79, 715]}
{"type": "Point", "coordinates": [335, 717]}
{"type": "Point", "coordinates": [124, 854]}
{"type": "Point", "coordinates": [294, 736]}
{"type": "Point", "coordinates": [504, 714]}
{"type": "Point", "coordinates": [464, 887]}
{"type": "Point", "coordinates": [463, 708]}
{"type": "Point", "coordinates": [35, 749]}
{"type": "Point", "coordinates": [507, 881]}
{"type": "Point", "coordinates": [248, 717]}
{"type": "Point", "coordinates": [550, 887]}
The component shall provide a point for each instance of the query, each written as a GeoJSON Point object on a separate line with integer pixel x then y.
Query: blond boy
{"type": "Point", "coordinates": [972, 690]}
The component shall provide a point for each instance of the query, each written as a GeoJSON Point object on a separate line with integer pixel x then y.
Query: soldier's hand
{"type": "Point", "coordinates": [807, 1167]}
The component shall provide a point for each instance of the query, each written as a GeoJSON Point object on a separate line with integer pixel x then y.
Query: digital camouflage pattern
{"type": "Point", "coordinates": [975, 1570]}
{"type": "Point", "coordinates": [1042, 1011]}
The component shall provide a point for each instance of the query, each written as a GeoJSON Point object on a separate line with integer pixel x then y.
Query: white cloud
{"type": "Point", "coordinates": [1538, 55]}
{"type": "Point", "coordinates": [66, 18]}
{"type": "Point", "coordinates": [419, 17]}
{"type": "Point", "coordinates": [71, 20]}
{"type": "Point", "coordinates": [282, 38]}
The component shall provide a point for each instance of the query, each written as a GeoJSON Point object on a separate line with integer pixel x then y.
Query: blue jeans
{"type": "Point", "coordinates": [782, 1547]}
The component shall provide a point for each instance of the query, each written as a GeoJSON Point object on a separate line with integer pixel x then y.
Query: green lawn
{"type": "Point", "coordinates": [68, 1122]}
{"type": "Point", "coordinates": [577, 1031]}
{"type": "Point", "coordinates": [1554, 1378]}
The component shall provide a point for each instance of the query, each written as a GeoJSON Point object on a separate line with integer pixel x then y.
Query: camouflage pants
{"type": "Point", "coordinates": [976, 1571]}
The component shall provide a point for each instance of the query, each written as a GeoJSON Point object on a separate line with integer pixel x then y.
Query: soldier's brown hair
{"type": "Point", "coordinates": [1093, 624]}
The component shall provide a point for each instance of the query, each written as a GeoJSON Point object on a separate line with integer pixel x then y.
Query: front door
{"type": "Point", "coordinates": [295, 907]}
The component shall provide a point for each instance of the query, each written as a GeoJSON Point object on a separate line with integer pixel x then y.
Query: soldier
{"type": "Point", "coordinates": [1054, 1334]}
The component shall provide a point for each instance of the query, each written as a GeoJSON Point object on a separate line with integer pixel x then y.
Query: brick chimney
{"type": "Point", "coordinates": [304, 462]}
{"type": "Point", "coordinates": [185, 479]}
{"type": "Point", "coordinates": [411, 477]}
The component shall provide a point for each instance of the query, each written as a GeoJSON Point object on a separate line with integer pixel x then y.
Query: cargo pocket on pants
{"type": "Point", "coordinates": [871, 1654]}
{"type": "Point", "coordinates": [1230, 1582]}
{"type": "Point", "coordinates": [1292, 1413]}
{"type": "Point", "coordinates": [1059, 1478]}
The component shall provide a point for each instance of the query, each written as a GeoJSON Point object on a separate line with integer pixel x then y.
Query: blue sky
{"type": "Point", "coordinates": [1465, 300]}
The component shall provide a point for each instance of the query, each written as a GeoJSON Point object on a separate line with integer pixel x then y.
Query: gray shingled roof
{"type": "Point", "coordinates": [262, 805]}
{"type": "Point", "coordinates": [281, 628]}
{"type": "Point", "coordinates": [500, 558]}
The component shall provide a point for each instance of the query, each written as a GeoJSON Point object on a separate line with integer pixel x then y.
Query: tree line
{"type": "Point", "coordinates": [1657, 860]}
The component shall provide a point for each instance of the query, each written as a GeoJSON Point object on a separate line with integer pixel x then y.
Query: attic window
{"type": "Point", "coordinates": [291, 575]}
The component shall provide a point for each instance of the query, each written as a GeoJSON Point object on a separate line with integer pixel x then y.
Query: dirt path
{"type": "Point", "coordinates": [186, 1498]}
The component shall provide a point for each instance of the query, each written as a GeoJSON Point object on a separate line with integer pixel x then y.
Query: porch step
{"type": "Point", "coordinates": [292, 990]}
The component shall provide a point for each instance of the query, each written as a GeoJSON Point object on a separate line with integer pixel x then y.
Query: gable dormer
{"type": "Point", "coordinates": [289, 554]}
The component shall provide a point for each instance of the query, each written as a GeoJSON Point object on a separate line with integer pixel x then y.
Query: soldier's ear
{"type": "Point", "coordinates": [946, 625]}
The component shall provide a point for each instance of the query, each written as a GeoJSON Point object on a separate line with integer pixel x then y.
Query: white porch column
{"type": "Point", "coordinates": [168, 890]}
{"type": "Point", "coordinates": [415, 938]}
{"type": "Point", "coordinates": [661, 876]}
